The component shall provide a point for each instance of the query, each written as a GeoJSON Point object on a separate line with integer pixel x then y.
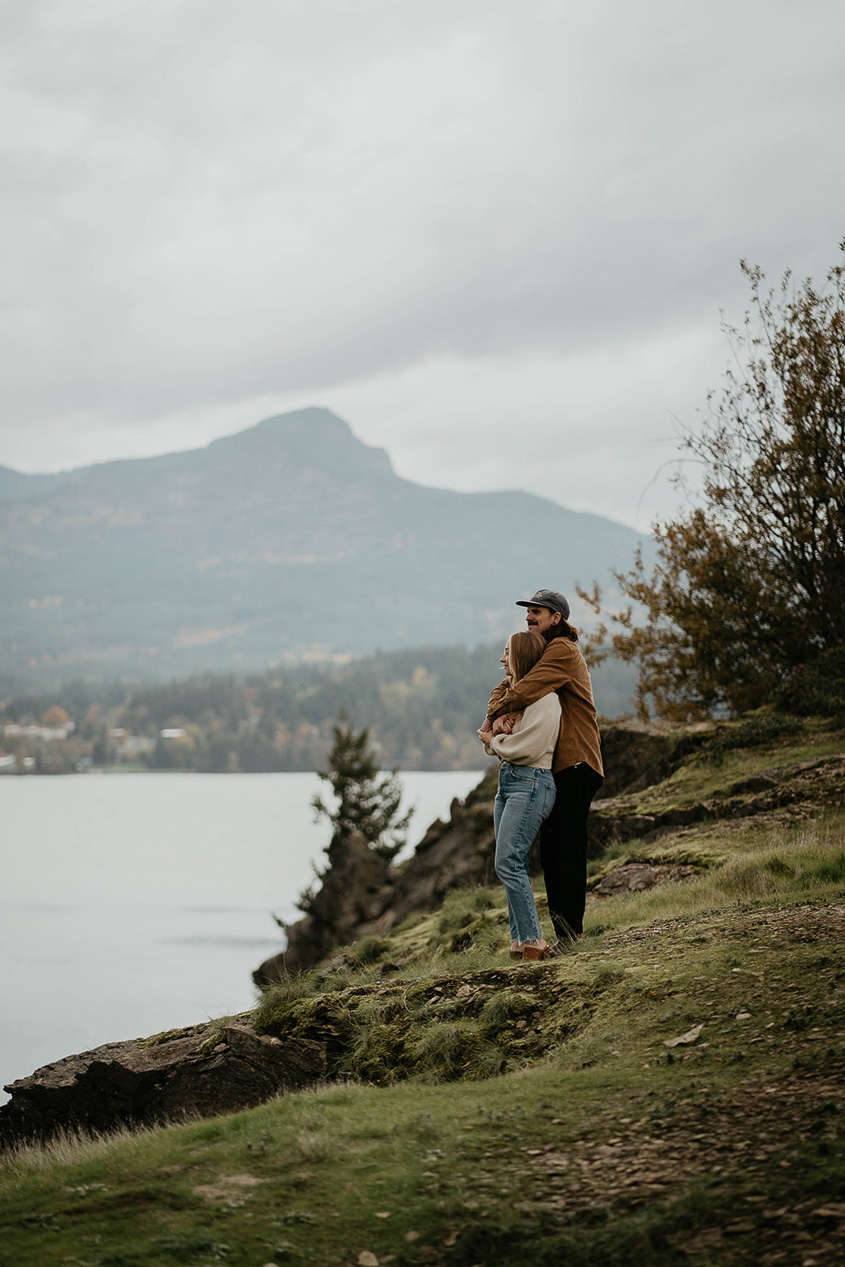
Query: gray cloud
{"type": "Point", "coordinates": [205, 205]}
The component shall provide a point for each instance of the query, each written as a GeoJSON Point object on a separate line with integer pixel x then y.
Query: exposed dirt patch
{"type": "Point", "coordinates": [229, 1189]}
{"type": "Point", "coordinates": [749, 1135]}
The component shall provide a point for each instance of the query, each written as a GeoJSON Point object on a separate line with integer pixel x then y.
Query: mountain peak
{"type": "Point", "coordinates": [314, 436]}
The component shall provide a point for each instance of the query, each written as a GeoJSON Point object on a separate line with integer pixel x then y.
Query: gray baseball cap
{"type": "Point", "coordinates": [552, 599]}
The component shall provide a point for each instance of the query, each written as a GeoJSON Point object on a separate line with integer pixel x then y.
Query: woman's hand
{"type": "Point", "coordinates": [503, 725]}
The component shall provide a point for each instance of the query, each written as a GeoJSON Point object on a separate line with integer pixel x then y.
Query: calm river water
{"type": "Point", "coordinates": [134, 903]}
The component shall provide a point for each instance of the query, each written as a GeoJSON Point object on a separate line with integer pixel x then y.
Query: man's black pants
{"type": "Point", "coordinates": [563, 848]}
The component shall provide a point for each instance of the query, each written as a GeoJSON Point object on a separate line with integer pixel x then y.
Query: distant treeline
{"type": "Point", "coordinates": [422, 705]}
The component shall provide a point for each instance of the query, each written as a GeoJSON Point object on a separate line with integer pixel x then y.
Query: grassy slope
{"type": "Point", "coordinates": [529, 1112]}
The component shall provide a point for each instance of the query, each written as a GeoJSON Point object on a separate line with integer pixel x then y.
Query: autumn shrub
{"type": "Point", "coordinates": [746, 594]}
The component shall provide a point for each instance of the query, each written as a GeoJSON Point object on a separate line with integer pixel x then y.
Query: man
{"type": "Point", "coordinates": [578, 770]}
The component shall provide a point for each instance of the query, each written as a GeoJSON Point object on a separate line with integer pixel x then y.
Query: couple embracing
{"type": "Point", "coordinates": [541, 724]}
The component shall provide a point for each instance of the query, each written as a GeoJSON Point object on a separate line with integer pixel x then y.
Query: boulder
{"type": "Point", "coordinates": [188, 1073]}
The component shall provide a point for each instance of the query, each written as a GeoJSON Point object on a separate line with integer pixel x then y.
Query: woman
{"type": "Point", "coordinates": [525, 795]}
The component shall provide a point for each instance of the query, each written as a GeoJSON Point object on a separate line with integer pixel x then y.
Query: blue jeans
{"type": "Point", "coordinates": [523, 801]}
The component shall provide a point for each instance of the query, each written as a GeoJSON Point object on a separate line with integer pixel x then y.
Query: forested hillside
{"type": "Point", "coordinates": [423, 706]}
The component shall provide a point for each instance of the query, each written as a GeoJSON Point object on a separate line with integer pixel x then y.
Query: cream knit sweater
{"type": "Point", "coordinates": [534, 737]}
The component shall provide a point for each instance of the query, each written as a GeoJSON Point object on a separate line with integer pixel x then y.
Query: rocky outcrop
{"type": "Point", "coordinates": [633, 877]}
{"type": "Point", "coordinates": [799, 789]}
{"type": "Point", "coordinates": [451, 854]}
{"type": "Point", "coordinates": [196, 1072]}
{"type": "Point", "coordinates": [351, 898]}
{"type": "Point", "coordinates": [638, 754]}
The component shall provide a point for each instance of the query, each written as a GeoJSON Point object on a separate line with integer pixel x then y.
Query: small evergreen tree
{"type": "Point", "coordinates": [366, 803]}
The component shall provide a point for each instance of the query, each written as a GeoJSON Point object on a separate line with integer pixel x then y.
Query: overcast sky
{"type": "Point", "coordinates": [495, 236]}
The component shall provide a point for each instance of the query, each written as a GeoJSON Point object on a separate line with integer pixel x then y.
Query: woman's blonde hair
{"type": "Point", "coordinates": [524, 650]}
